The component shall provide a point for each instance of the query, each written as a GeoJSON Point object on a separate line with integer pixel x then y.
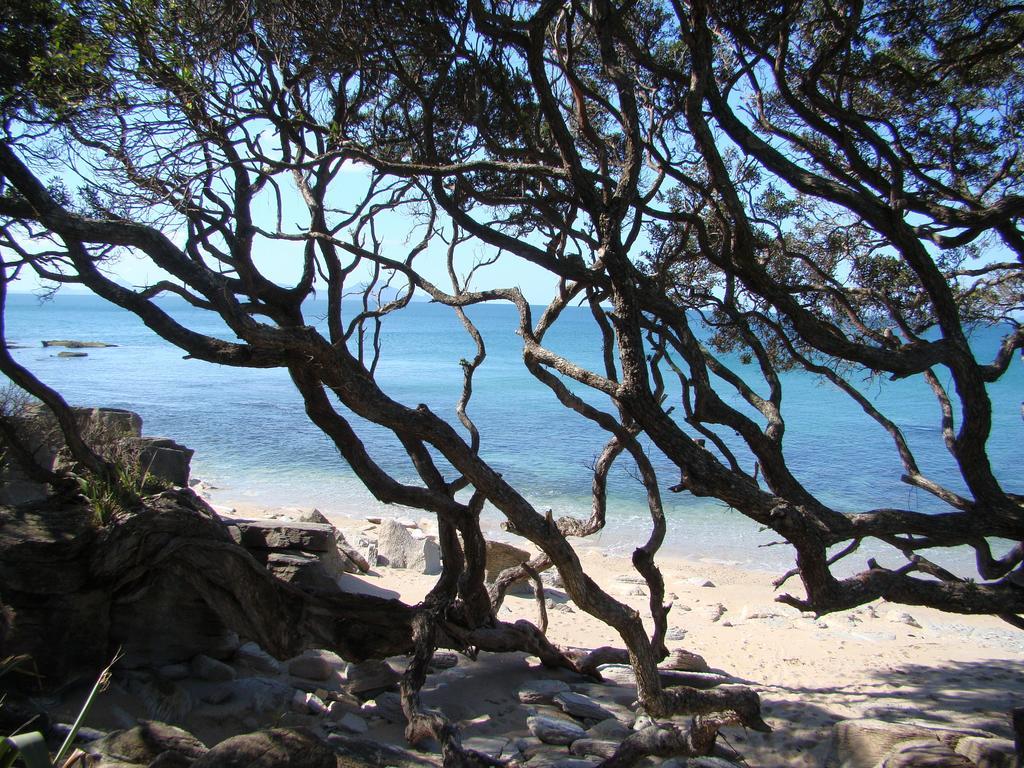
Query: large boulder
{"type": "Point", "coordinates": [501, 556]}
{"type": "Point", "coordinates": [142, 745]}
{"type": "Point", "coordinates": [272, 748]}
{"type": "Point", "coordinates": [164, 582]}
{"type": "Point", "coordinates": [163, 458]}
{"type": "Point", "coordinates": [113, 432]}
{"type": "Point", "coordinates": [868, 743]}
{"type": "Point", "coordinates": [397, 548]}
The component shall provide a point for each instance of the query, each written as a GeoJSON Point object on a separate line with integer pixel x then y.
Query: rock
{"type": "Point", "coordinates": [761, 612]}
{"type": "Point", "coordinates": [622, 674]}
{"type": "Point", "coordinates": [73, 344]}
{"type": "Point", "coordinates": [174, 671]}
{"type": "Point", "coordinates": [862, 743]}
{"type": "Point", "coordinates": [712, 612]}
{"type": "Point", "coordinates": [72, 354]}
{"type": "Point", "coordinates": [356, 753]}
{"type": "Point", "coordinates": [609, 730]}
{"type": "Point", "coordinates": [276, 534]}
{"type": "Point", "coordinates": [443, 660]}
{"type": "Point", "coordinates": [987, 753]}
{"type": "Point", "coordinates": [552, 578]}
{"type": "Point", "coordinates": [205, 668]}
{"type": "Point", "coordinates": [541, 691]}
{"type": "Point", "coordinates": [271, 748]}
{"type": "Point", "coordinates": [675, 634]}
{"type": "Point", "coordinates": [397, 549]}
{"type": "Point", "coordinates": [924, 753]}
{"type": "Point", "coordinates": [83, 735]}
{"type": "Point", "coordinates": [701, 680]}
{"type": "Point", "coordinates": [255, 658]}
{"type": "Point", "coordinates": [600, 747]}
{"type": "Point", "coordinates": [372, 675]}
{"type": "Point", "coordinates": [558, 759]}
{"type": "Point", "coordinates": [490, 746]}
{"type": "Point", "coordinates": [583, 707]}
{"type": "Point", "coordinates": [316, 665]}
{"type": "Point", "coordinates": [501, 556]}
{"type": "Point", "coordinates": [387, 705]}
{"type": "Point", "coordinates": [353, 723]}
{"type": "Point", "coordinates": [684, 661]}
{"type": "Point", "coordinates": [256, 694]}
{"type": "Point", "coordinates": [304, 703]}
{"type": "Point", "coordinates": [901, 617]}
{"type": "Point", "coordinates": [554, 730]}
{"type": "Point", "coordinates": [143, 743]}
{"type": "Point", "coordinates": [698, 581]}
{"type": "Point", "coordinates": [163, 458]}
{"type": "Point", "coordinates": [351, 561]}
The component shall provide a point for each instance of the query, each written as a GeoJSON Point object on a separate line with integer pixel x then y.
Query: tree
{"type": "Point", "coordinates": [826, 186]}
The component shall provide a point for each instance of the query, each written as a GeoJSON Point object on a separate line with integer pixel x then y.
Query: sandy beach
{"type": "Point", "coordinates": [882, 660]}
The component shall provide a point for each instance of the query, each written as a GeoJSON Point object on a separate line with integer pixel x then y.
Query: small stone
{"type": "Point", "coordinates": [554, 730]}
{"type": "Point", "coordinates": [685, 661]}
{"type": "Point", "coordinates": [174, 671]}
{"type": "Point", "coordinates": [541, 691]}
{"type": "Point", "coordinates": [371, 675]}
{"type": "Point", "coordinates": [315, 705]}
{"type": "Point", "coordinates": [443, 660]}
{"type": "Point", "coordinates": [698, 581]}
{"type": "Point", "coordinates": [353, 723]}
{"type": "Point", "coordinates": [926, 753]}
{"type": "Point", "coordinates": [599, 747]}
{"type": "Point", "coordinates": [637, 592]}
{"type": "Point", "coordinates": [622, 674]}
{"type": "Point", "coordinates": [713, 612]}
{"type": "Point", "coordinates": [675, 634]}
{"type": "Point", "coordinates": [490, 746]}
{"type": "Point", "coordinates": [387, 705]}
{"type": "Point", "coordinates": [316, 665]}
{"type": "Point", "coordinates": [205, 668]}
{"type": "Point", "coordinates": [901, 617]}
{"type": "Point", "coordinates": [609, 730]}
{"type": "Point", "coordinates": [987, 753]}
{"type": "Point", "coordinates": [298, 703]}
{"type": "Point", "coordinates": [642, 721]}
{"type": "Point", "coordinates": [252, 656]}
{"type": "Point", "coordinates": [552, 578]}
{"type": "Point", "coordinates": [583, 707]}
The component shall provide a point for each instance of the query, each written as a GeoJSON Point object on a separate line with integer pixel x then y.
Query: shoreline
{"type": "Point", "coordinates": [882, 660]}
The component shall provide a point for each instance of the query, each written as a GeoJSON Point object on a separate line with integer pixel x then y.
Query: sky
{"type": "Point", "coordinates": [282, 261]}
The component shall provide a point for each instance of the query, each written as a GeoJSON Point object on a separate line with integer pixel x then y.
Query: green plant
{"type": "Point", "coordinates": [130, 477]}
{"type": "Point", "coordinates": [31, 747]}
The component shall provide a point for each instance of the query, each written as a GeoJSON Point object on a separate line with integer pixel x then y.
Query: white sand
{"type": "Point", "coordinates": [953, 670]}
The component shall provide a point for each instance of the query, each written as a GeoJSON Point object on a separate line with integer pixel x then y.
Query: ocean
{"type": "Point", "coordinates": [254, 443]}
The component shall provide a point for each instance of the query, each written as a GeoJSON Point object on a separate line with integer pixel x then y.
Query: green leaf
{"type": "Point", "coordinates": [30, 746]}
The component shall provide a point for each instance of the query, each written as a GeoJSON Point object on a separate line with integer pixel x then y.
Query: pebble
{"type": "Point", "coordinates": [578, 705]}
{"type": "Point", "coordinates": [675, 633]}
{"type": "Point", "coordinates": [254, 657]}
{"type": "Point", "coordinates": [900, 617]}
{"type": "Point", "coordinates": [541, 691]}
{"type": "Point", "coordinates": [353, 723]}
{"type": "Point", "coordinates": [608, 730]}
{"type": "Point", "coordinates": [554, 730]}
{"type": "Point", "coordinates": [205, 668]}
{"type": "Point", "coordinates": [315, 665]}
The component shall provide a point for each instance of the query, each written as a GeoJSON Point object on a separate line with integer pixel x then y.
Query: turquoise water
{"type": "Point", "coordinates": [252, 439]}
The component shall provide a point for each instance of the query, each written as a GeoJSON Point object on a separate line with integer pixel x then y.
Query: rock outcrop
{"type": "Point", "coordinates": [164, 582]}
{"type": "Point", "coordinates": [108, 430]}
